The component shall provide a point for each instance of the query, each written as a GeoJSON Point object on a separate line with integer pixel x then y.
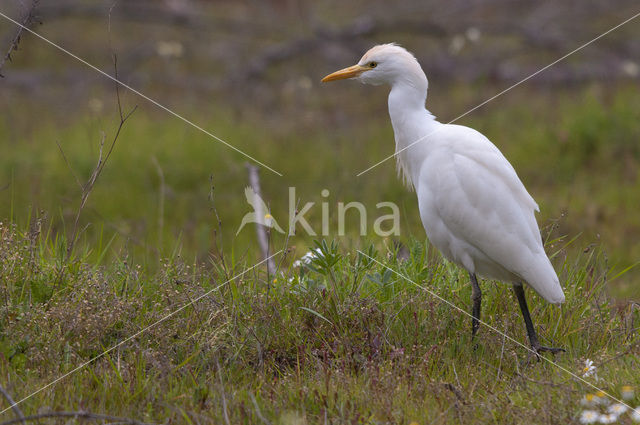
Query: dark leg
{"type": "Point", "coordinates": [533, 338]}
{"type": "Point", "coordinates": [476, 297]}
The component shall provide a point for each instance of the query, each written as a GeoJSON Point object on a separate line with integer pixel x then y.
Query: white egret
{"type": "Point", "coordinates": [473, 206]}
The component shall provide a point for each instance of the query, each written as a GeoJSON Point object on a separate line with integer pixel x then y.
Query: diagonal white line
{"type": "Point", "coordinates": [175, 114]}
{"type": "Point", "coordinates": [504, 91]}
{"type": "Point", "coordinates": [77, 368]}
{"type": "Point", "coordinates": [455, 307]}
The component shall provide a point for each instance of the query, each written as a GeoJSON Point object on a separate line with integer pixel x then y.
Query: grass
{"type": "Point", "coordinates": [576, 154]}
{"type": "Point", "coordinates": [338, 340]}
{"type": "Point", "coordinates": [341, 339]}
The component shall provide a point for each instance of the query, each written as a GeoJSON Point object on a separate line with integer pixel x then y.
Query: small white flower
{"type": "Point", "coordinates": [473, 34]}
{"type": "Point", "coordinates": [96, 105]}
{"type": "Point", "coordinates": [601, 398]}
{"type": "Point", "coordinates": [457, 43]}
{"type": "Point", "coordinates": [630, 68]}
{"type": "Point", "coordinates": [311, 255]}
{"type": "Point", "coordinates": [589, 368]}
{"type": "Point", "coordinates": [607, 419]}
{"type": "Point", "coordinates": [589, 400]}
{"type": "Point", "coordinates": [308, 257]}
{"type": "Point", "coordinates": [627, 392]}
{"type": "Point", "coordinates": [169, 49]}
{"type": "Point", "coordinates": [589, 417]}
{"type": "Point", "coordinates": [305, 83]}
{"type": "Point", "coordinates": [617, 409]}
{"type": "Point", "coordinates": [635, 414]}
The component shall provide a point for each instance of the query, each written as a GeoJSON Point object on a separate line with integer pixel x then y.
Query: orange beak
{"type": "Point", "coordinates": [350, 72]}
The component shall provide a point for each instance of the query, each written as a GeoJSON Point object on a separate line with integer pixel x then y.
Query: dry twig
{"type": "Point", "coordinates": [217, 232]}
{"type": "Point", "coordinates": [28, 19]}
{"type": "Point", "coordinates": [76, 415]}
{"type": "Point", "coordinates": [13, 405]}
{"type": "Point", "coordinates": [224, 399]}
{"type": "Point", "coordinates": [88, 186]}
{"type": "Point", "coordinates": [258, 412]}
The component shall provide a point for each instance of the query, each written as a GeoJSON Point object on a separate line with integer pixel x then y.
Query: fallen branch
{"type": "Point", "coordinates": [28, 19]}
{"type": "Point", "coordinates": [224, 399]}
{"type": "Point", "coordinates": [14, 405]}
{"type": "Point", "coordinates": [454, 390]}
{"type": "Point", "coordinates": [258, 412]}
{"type": "Point", "coordinates": [76, 415]}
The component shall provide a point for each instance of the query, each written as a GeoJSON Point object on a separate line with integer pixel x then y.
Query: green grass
{"type": "Point", "coordinates": [576, 151]}
{"type": "Point", "coordinates": [341, 339]}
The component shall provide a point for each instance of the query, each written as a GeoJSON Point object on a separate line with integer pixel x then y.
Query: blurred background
{"type": "Point", "coordinates": [249, 72]}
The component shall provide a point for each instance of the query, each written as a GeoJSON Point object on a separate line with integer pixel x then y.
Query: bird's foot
{"type": "Point", "coordinates": [553, 350]}
{"type": "Point", "coordinates": [474, 341]}
{"type": "Point", "coordinates": [539, 349]}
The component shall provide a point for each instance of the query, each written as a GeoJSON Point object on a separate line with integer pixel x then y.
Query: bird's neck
{"type": "Point", "coordinates": [408, 93]}
{"type": "Point", "coordinates": [411, 121]}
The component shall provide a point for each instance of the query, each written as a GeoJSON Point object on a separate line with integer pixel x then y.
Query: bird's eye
{"type": "Point", "coordinates": [373, 64]}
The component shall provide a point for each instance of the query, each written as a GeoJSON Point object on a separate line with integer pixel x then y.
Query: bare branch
{"type": "Point", "coordinates": [28, 19]}
{"type": "Point", "coordinates": [81, 414]}
{"type": "Point", "coordinates": [66, 160]}
{"type": "Point", "coordinates": [224, 399]}
{"type": "Point", "coordinates": [258, 412]}
{"type": "Point", "coordinates": [14, 405]}
{"type": "Point", "coordinates": [102, 161]}
{"type": "Point", "coordinates": [217, 240]}
{"type": "Point", "coordinates": [455, 391]}
{"type": "Point", "coordinates": [88, 186]}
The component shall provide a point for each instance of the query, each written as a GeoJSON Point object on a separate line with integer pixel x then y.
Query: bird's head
{"type": "Point", "coordinates": [385, 63]}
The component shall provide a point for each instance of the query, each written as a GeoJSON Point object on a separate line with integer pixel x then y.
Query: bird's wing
{"type": "Point", "coordinates": [495, 204]}
{"type": "Point", "coordinates": [491, 184]}
{"type": "Point", "coordinates": [471, 189]}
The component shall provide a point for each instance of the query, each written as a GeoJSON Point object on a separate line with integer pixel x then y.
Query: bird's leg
{"type": "Point", "coordinates": [533, 338]}
{"type": "Point", "coordinates": [476, 297]}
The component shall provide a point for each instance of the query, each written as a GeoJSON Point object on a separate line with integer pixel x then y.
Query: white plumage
{"type": "Point", "coordinates": [476, 211]}
{"type": "Point", "coordinates": [473, 206]}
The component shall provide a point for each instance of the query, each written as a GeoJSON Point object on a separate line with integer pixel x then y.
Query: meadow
{"type": "Point", "coordinates": [342, 339]}
{"type": "Point", "coordinates": [576, 151]}
{"type": "Point", "coordinates": [154, 308]}
{"type": "Point", "coordinates": [347, 337]}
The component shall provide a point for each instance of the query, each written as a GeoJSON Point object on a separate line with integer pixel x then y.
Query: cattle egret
{"type": "Point", "coordinates": [473, 206]}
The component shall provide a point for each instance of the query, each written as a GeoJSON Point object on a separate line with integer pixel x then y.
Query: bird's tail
{"type": "Point", "coordinates": [544, 280]}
